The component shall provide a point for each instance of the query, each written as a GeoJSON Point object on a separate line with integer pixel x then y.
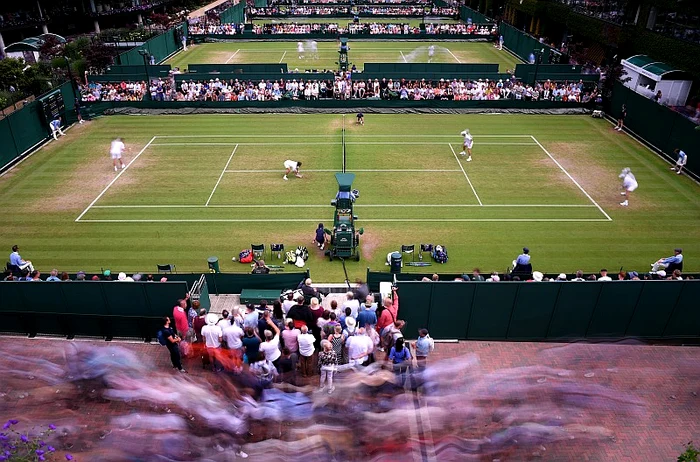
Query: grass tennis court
{"type": "Point", "coordinates": [204, 185]}
{"type": "Point", "coordinates": [360, 52]}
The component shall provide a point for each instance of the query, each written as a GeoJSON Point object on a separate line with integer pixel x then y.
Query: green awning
{"type": "Point", "coordinates": [654, 67]}
{"type": "Point", "coordinates": [640, 60]}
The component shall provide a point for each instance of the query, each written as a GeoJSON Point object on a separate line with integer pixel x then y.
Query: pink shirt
{"type": "Point", "coordinates": [290, 339]}
{"type": "Point", "coordinates": [180, 318]}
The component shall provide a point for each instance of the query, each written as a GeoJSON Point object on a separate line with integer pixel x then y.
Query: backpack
{"type": "Point", "coordinates": [303, 252]}
{"type": "Point", "coordinates": [246, 256]}
{"type": "Point", "coordinates": [440, 254]}
{"type": "Point", "coordinates": [161, 337]}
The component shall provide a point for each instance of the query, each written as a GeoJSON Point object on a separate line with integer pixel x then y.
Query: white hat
{"type": "Point", "coordinates": [661, 274]}
{"type": "Point", "coordinates": [350, 321]}
{"type": "Point", "coordinates": [562, 276]}
{"type": "Point", "coordinates": [212, 319]}
{"type": "Point", "coordinates": [537, 276]}
{"type": "Point", "coordinates": [121, 277]}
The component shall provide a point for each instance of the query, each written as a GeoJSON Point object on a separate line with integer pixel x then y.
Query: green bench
{"type": "Point", "coordinates": [255, 295]}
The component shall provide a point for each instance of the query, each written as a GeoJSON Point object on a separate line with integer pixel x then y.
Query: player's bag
{"type": "Point", "coordinates": [440, 254]}
{"type": "Point", "coordinates": [246, 256]}
{"type": "Point", "coordinates": [302, 252]}
{"type": "Point", "coordinates": [291, 257]}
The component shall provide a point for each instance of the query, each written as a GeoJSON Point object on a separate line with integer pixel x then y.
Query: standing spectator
{"type": "Point", "coordinates": [251, 345]}
{"type": "Point", "coordinates": [288, 302]}
{"type": "Point", "coordinates": [251, 318]}
{"type": "Point", "coordinates": [400, 357]}
{"type": "Point", "coordinates": [361, 291]}
{"type": "Point", "coordinates": [288, 367]}
{"type": "Point", "coordinates": [316, 313]}
{"type": "Point", "coordinates": [290, 338]}
{"type": "Point", "coordinates": [278, 314]}
{"type": "Point", "coordinates": [233, 335]}
{"type": "Point", "coordinates": [306, 350]}
{"type": "Point", "coordinates": [367, 318]}
{"type": "Point", "coordinates": [16, 259]}
{"type": "Point", "coordinates": [180, 317]}
{"type": "Point", "coordinates": [225, 320]}
{"type": "Point", "coordinates": [360, 347]}
{"type": "Point", "coordinates": [53, 277]}
{"type": "Point", "coordinates": [664, 263]}
{"type": "Point", "coordinates": [263, 369]}
{"type": "Point", "coordinates": [212, 338]}
{"type": "Point", "coordinates": [199, 322]}
{"type": "Point", "coordinates": [172, 340]}
{"type": "Point", "coordinates": [337, 341]}
{"type": "Point", "coordinates": [351, 303]}
{"type": "Point", "coordinates": [271, 345]}
{"type": "Point", "coordinates": [309, 291]}
{"type": "Point", "coordinates": [423, 346]}
{"type": "Point", "coordinates": [301, 314]}
{"type": "Point", "coordinates": [192, 314]}
{"type": "Point", "coordinates": [329, 363]}
{"type": "Point", "coordinates": [390, 310]}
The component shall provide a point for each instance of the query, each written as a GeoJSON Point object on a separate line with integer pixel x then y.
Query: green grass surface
{"type": "Point", "coordinates": [156, 211]}
{"type": "Point", "coordinates": [360, 53]}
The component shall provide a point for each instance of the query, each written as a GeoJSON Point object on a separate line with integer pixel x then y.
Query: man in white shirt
{"type": "Point", "coordinates": [306, 351]}
{"type": "Point", "coordinates": [629, 184]}
{"type": "Point", "coordinates": [233, 335]}
{"type": "Point", "coordinates": [467, 144]}
{"type": "Point", "coordinates": [212, 335]}
{"type": "Point", "coordinates": [271, 345]}
{"type": "Point", "coordinates": [225, 320]}
{"type": "Point", "coordinates": [352, 303]}
{"type": "Point", "coordinates": [292, 166]}
{"type": "Point", "coordinates": [360, 346]}
{"type": "Point", "coordinates": [115, 151]}
{"type": "Point", "coordinates": [604, 275]}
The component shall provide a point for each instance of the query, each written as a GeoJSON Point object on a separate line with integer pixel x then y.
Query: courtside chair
{"type": "Point", "coordinates": [279, 248]}
{"type": "Point", "coordinates": [409, 249]}
{"type": "Point", "coordinates": [425, 248]}
{"type": "Point", "coordinates": [258, 251]}
{"type": "Point", "coordinates": [169, 268]}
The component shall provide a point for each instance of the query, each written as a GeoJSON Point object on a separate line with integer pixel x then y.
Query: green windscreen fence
{"type": "Point", "coordinates": [522, 44]}
{"type": "Point", "coordinates": [259, 68]}
{"type": "Point", "coordinates": [658, 125]}
{"type": "Point", "coordinates": [160, 46]}
{"type": "Point", "coordinates": [468, 15]}
{"type": "Point", "coordinates": [417, 68]}
{"type": "Point", "coordinates": [551, 311]}
{"type": "Point", "coordinates": [235, 14]}
{"type": "Point", "coordinates": [260, 3]}
{"type": "Point", "coordinates": [27, 127]}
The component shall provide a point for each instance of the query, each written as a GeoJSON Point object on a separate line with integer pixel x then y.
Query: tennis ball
{"type": "Point", "coordinates": [233, 258]}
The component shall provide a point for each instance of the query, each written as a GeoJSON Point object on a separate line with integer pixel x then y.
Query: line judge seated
{"type": "Point", "coordinates": [522, 263]}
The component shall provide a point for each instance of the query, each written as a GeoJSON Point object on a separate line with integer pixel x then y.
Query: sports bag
{"type": "Point", "coordinates": [246, 256]}
{"type": "Point", "coordinates": [161, 337]}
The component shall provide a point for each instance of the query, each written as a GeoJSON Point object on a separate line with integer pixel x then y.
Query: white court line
{"type": "Point", "coordinates": [232, 56]}
{"type": "Point", "coordinates": [292, 135]}
{"type": "Point", "coordinates": [572, 179]}
{"type": "Point", "coordinates": [453, 55]}
{"type": "Point", "coordinates": [465, 174]}
{"type": "Point", "coordinates": [303, 206]}
{"type": "Point", "coordinates": [221, 176]}
{"type": "Point", "coordinates": [377, 220]}
{"type": "Point", "coordinates": [114, 180]}
{"type": "Point", "coordinates": [408, 170]}
{"type": "Point", "coordinates": [347, 143]}
{"type": "Point", "coordinates": [403, 56]}
{"type": "Point", "coordinates": [283, 55]}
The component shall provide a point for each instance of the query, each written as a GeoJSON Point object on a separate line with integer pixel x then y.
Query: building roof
{"type": "Point", "coordinates": [31, 43]}
{"type": "Point", "coordinates": [652, 66]}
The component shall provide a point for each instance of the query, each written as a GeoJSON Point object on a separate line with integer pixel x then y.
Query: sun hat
{"type": "Point", "coordinates": [122, 276]}
{"type": "Point", "coordinates": [562, 276]}
{"type": "Point", "coordinates": [107, 273]}
{"type": "Point", "coordinates": [350, 321]}
{"type": "Point", "coordinates": [537, 276]}
{"type": "Point", "coordinates": [212, 319]}
{"type": "Point", "coordinates": [661, 274]}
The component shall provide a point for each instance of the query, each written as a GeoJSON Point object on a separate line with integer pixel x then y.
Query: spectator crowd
{"type": "Point", "coordinates": [361, 10]}
{"type": "Point", "coordinates": [343, 86]}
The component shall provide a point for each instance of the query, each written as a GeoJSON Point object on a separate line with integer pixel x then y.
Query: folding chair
{"type": "Point", "coordinates": [258, 251]}
{"type": "Point", "coordinates": [166, 268]}
{"type": "Point", "coordinates": [14, 269]}
{"type": "Point", "coordinates": [425, 248]}
{"type": "Point", "coordinates": [279, 248]}
{"type": "Point", "coordinates": [406, 249]}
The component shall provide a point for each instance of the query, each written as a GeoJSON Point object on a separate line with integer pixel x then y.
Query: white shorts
{"type": "Point", "coordinates": [468, 144]}
{"type": "Point", "coordinates": [680, 163]}
{"type": "Point", "coordinates": [631, 186]}
{"type": "Point", "coordinates": [290, 165]}
{"type": "Point", "coordinates": [116, 155]}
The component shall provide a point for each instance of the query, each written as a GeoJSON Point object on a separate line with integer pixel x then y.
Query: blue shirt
{"type": "Point", "coordinates": [523, 259]}
{"type": "Point", "coordinates": [55, 123]}
{"type": "Point", "coordinates": [16, 260]}
{"type": "Point", "coordinates": [52, 279]}
{"type": "Point", "coordinates": [400, 356]}
{"type": "Point", "coordinates": [681, 156]}
{"type": "Point", "coordinates": [423, 345]}
{"type": "Point", "coordinates": [674, 259]}
{"type": "Point", "coordinates": [366, 317]}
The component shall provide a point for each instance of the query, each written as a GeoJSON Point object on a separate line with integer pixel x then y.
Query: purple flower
{"type": "Point", "coordinates": [24, 438]}
{"type": "Point", "coordinates": [41, 444]}
{"type": "Point", "coordinates": [3, 458]}
{"type": "Point", "coordinates": [7, 425]}
{"type": "Point", "coordinates": [51, 449]}
{"type": "Point", "coordinates": [13, 421]}
{"type": "Point", "coordinates": [39, 452]}
{"type": "Point", "coordinates": [52, 427]}
{"type": "Point", "coordinates": [42, 458]}
{"type": "Point", "coordinates": [69, 457]}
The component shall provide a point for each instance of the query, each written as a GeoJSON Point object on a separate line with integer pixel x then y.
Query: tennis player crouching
{"type": "Point", "coordinates": [292, 166]}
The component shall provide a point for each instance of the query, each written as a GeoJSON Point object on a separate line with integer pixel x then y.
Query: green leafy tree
{"type": "Point", "coordinates": [98, 56]}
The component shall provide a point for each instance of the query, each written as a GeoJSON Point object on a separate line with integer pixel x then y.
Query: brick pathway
{"type": "Point", "coordinates": [663, 379]}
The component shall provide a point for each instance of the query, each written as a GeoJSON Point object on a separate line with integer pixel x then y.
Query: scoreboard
{"type": "Point", "coordinates": [53, 106]}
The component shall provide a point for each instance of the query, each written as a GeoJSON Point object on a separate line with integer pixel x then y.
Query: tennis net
{"type": "Point", "coordinates": [344, 157]}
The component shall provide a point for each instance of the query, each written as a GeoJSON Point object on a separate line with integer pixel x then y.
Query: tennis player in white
{"type": "Point", "coordinates": [115, 151]}
{"type": "Point", "coordinates": [300, 50]}
{"type": "Point", "coordinates": [292, 166]}
{"type": "Point", "coordinates": [629, 184]}
{"type": "Point", "coordinates": [467, 144]}
{"type": "Point", "coordinates": [431, 53]}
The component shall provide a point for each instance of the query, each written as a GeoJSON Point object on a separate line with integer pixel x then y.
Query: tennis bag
{"type": "Point", "coordinates": [440, 254]}
{"type": "Point", "coordinates": [246, 256]}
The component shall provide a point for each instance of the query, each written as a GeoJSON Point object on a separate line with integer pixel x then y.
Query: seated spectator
{"type": "Point", "coordinates": [16, 259]}
{"type": "Point", "coordinates": [522, 263]}
{"type": "Point", "coordinates": [604, 276]}
{"type": "Point", "coordinates": [53, 277]}
{"type": "Point", "coordinates": [669, 263]}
